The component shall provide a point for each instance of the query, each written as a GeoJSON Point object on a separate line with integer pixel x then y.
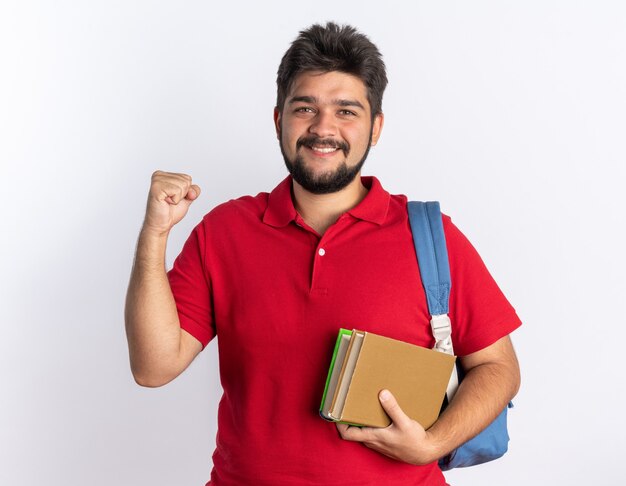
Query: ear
{"type": "Point", "coordinates": [277, 121]}
{"type": "Point", "coordinates": [377, 128]}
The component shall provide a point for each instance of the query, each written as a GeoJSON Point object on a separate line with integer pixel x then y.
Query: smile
{"type": "Point", "coordinates": [322, 147]}
{"type": "Point", "coordinates": [324, 150]}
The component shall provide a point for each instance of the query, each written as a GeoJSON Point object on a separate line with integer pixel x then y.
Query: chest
{"type": "Point", "coordinates": [290, 285]}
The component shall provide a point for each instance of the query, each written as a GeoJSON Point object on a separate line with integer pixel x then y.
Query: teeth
{"type": "Point", "coordinates": [324, 150]}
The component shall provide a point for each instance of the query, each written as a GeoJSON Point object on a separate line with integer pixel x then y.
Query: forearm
{"type": "Point", "coordinates": [152, 325]}
{"type": "Point", "coordinates": [482, 395]}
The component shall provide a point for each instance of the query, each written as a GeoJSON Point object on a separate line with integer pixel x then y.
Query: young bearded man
{"type": "Point", "coordinates": [276, 275]}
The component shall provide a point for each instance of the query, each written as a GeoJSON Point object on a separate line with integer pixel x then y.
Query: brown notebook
{"type": "Point", "coordinates": [416, 376]}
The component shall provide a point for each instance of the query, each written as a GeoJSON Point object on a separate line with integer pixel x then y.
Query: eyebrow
{"type": "Point", "coordinates": [338, 102]}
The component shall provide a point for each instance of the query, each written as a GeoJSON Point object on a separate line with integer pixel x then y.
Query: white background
{"type": "Point", "coordinates": [513, 114]}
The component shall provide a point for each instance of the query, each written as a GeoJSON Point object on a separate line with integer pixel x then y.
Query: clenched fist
{"type": "Point", "coordinates": [169, 199]}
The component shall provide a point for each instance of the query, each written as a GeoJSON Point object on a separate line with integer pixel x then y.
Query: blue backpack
{"type": "Point", "coordinates": [432, 256]}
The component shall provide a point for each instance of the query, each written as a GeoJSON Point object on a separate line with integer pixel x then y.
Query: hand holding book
{"type": "Point", "coordinates": [404, 440]}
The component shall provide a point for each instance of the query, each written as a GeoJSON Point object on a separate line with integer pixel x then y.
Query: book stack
{"type": "Point", "coordinates": [364, 363]}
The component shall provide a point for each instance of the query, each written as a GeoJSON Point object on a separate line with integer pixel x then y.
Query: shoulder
{"type": "Point", "coordinates": [460, 249]}
{"type": "Point", "coordinates": [236, 210]}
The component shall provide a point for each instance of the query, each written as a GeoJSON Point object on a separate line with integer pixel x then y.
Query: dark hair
{"type": "Point", "coordinates": [334, 48]}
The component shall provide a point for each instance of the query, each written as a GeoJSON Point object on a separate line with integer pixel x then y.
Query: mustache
{"type": "Point", "coordinates": [312, 140]}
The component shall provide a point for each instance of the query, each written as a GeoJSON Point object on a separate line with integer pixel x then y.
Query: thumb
{"type": "Point", "coordinates": [193, 193]}
{"type": "Point", "coordinates": [391, 406]}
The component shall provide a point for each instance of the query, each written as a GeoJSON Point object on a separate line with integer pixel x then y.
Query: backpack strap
{"type": "Point", "coordinates": [432, 257]}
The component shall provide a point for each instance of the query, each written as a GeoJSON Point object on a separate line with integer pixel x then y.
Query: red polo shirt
{"type": "Point", "coordinates": [275, 293]}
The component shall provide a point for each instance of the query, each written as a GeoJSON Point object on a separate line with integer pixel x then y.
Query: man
{"type": "Point", "coordinates": [276, 275]}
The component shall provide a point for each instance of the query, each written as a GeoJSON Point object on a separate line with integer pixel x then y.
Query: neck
{"type": "Point", "coordinates": [320, 211]}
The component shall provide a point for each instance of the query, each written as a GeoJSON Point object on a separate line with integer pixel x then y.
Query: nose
{"type": "Point", "coordinates": [323, 125]}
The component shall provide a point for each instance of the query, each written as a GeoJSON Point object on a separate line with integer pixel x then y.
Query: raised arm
{"type": "Point", "coordinates": [159, 349]}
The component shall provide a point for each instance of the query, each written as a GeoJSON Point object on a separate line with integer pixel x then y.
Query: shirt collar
{"type": "Point", "coordinates": [280, 210]}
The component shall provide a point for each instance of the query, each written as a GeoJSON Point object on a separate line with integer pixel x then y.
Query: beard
{"type": "Point", "coordinates": [330, 181]}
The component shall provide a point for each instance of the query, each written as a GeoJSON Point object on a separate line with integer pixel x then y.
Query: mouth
{"type": "Point", "coordinates": [323, 148]}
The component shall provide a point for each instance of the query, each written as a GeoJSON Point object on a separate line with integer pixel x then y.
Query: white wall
{"type": "Point", "coordinates": [510, 113]}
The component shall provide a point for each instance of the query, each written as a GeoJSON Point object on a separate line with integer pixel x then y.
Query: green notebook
{"type": "Point", "coordinates": [341, 346]}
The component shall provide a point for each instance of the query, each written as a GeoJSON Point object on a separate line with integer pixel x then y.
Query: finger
{"type": "Point", "coordinates": [168, 180]}
{"type": "Point", "coordinates": [391, 406]}
{"type": "Point", "coordinates": [193, 192]}
{"type": "Point", "coordinates": [341, 427]}
{"type": "Point", "coordinates": [175, 190]}
{"type": "Point", "coordinates": [353, 433]}
{"type": "Point", "coordinates": [162, 175]}
{"type": "Point", "coordinates": [171, 193]}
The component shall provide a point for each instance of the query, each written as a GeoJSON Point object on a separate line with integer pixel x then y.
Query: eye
{"type": "Point", "coordinates": [304, 109]}
{"type": "Point", "coordinates": [347, 113]}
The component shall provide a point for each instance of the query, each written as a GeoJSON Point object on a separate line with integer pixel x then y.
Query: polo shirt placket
{"type": "Point", "coordinates": [323, 257]}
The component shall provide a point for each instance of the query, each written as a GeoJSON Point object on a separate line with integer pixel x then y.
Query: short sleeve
{"type": "Point", "coordinates": [190, 284]}
{"type": "Point", "coordinates": [479, 311]}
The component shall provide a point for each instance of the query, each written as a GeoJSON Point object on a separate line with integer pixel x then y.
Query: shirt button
{"type": "Point", "coordinates": [321, 252]}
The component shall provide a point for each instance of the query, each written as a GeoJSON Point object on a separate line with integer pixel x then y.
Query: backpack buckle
{"type": "Point", "coordinates": [442, 331]}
